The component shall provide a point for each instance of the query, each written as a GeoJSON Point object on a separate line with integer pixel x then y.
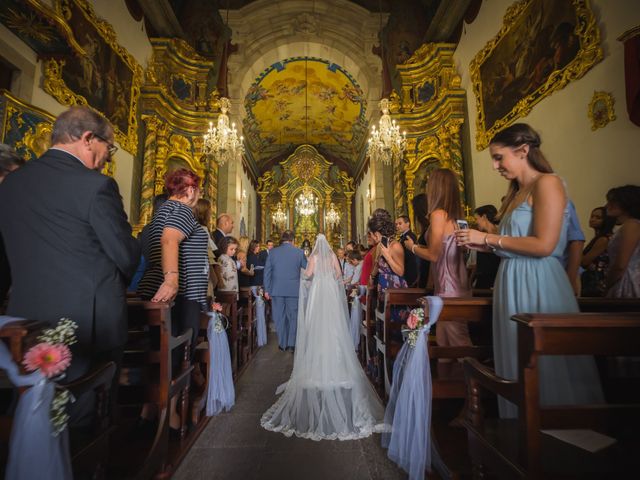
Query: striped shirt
{"type": "Point", "coordinates": [193, 262]}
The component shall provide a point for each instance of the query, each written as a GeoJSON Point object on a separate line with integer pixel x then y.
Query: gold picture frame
{"type": "Point", "coordinates": [104, 75]}
{"type": "Point", "coordinates": [542, 46]}
{"type": "Point", "coordinates": [601, 110]}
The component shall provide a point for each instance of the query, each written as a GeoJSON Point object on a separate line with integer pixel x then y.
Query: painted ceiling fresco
{"type": "Point", "coordinates": [305, 100]}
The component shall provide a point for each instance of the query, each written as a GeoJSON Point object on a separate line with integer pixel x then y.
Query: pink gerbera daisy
{"type": "Point", "coordinates": [50, 359]}
{"type": "Point", "coordinates": [412, 321]}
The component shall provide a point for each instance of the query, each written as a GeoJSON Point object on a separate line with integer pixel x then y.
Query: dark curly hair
{"type": "Point", "coordinates": [627, 198]}
{"type": "Point", "coordinates": [382, 222]}
{"type": "Point", "coordinates": [225, 243]}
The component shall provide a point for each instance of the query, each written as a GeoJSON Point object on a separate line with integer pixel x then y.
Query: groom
{"type": "Point", "coordinates": [282, 284]}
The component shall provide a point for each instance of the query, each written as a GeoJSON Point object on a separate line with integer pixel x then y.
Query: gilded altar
{"type": "Point", "coordinates": [430, 108]}
{"type": "Point", "coordinates": [306, 171]}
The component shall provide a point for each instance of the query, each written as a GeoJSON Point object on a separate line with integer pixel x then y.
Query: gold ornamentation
{"type": "Point", "coordinates": [55, 85]}
{"type": "Point", "coordinates": [37, 140]}
{"type": "Point", "coordinates": [586, 32]}
{"type": "Point", "coordinates": [601, 110]}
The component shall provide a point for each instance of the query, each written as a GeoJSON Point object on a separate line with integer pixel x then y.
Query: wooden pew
{"type": "Point", "coordinates": [159, 379]}
{"type": "Point", "coordinates": [388, 333]}
{"type": "Point", "coordinates": [90, 446]}
{"type": "Point", "coordinates": [476, 313]}
{"type": "Point", "coordinates": [609, 305]}
{"type": "Point", "coordinates": [518, 449]}
{"type": "Point", "coordinates": [231, 309]}
{"type": "Point", "coordinates": [248, 331]}
{"type": "Point", "coordinates": [20, 336]}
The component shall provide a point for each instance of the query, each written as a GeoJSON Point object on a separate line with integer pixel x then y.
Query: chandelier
{"type": "Point", "coordinates": [386, 144]}
{"type": "Point", "coordinates": [306, 203]}
{"type": "Point", "coordinates": [222, 142]}
{"type": "Point", "coordinates": [279, 216]}
{"type": "Point", "coordinates": [332, 217]}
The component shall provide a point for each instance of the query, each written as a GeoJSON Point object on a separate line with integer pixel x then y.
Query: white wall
{"type": "Point", "coordinates": [590, 161]}
{"type": "Point", "coordinates": [28, 86]}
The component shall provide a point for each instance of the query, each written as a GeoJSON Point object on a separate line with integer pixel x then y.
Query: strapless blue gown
{"type": "Point", "coordinates": [527, 284]}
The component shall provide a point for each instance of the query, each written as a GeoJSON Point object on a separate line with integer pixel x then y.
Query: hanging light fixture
{"type": "Point", "coordinates": [332, 217]}
{"type": "Point", "coordinates": [386, 144]}
{"type": "Point", "coordinates": [221, 142]}
{"type": "Point", "coordinates": [279, 216]}
{"type": "Point", "coordinates": [306, 203]}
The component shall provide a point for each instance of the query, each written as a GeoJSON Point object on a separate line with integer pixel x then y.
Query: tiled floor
{"type": "Point", "coordinates": [235, 446]}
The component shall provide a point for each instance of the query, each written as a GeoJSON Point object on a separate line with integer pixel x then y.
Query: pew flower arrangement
{"type": "Point", "coordinates": [217, 310]}
{"type": "Point", "coordinates": [415, 321]}
{"type": "Point", "coordinates": [52, 357]}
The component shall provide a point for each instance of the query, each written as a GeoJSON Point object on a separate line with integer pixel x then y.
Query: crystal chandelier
{"type": "Point", "coordinates": [386, 144]}
{"type": "Point", "coordinates": [306, 203]}
{"type": "Point", "coordinates": [221, 142]}
{"type": "Point", "coordinates": [279, 216]}
{"type": "Point", "coordinates": [332, 217]}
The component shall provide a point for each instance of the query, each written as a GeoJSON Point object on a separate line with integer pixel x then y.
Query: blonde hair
{"type": "Point", "coordinates": [243, 243]}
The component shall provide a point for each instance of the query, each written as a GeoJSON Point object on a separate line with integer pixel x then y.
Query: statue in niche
{"type": "Point", "coordinates": [306, 246]}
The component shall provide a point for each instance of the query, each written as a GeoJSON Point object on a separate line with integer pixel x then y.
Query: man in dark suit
{"type": "Point", "coordinates": [224, 227]}
{"type": "Point", "coordinates": [403, 228]}
{"type": "Point", "coordinates": [282, 286]}
{"type": "Point", "coordinates": [68, 240]}
{"type": "Point", "coordinates": [9, 161]}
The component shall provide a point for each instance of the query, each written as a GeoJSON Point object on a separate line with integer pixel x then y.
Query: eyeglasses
{"type": "Point", "coordinates": [110, 146]}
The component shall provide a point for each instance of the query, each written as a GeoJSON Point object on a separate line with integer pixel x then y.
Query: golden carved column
{"type": "Point", "coordinates": [263, 215]}
{"type": "Point", "coordinates": [398, 190]}
{"type": "Point", "coordinates": [322, 224]}
{"type": "Point", "coordinates": [349, 200]}
{"type": "Point", "coordinates": [212, 187]}
{"type": "Point", "coordinates": [148, 169]}
{"type": "Point", "coordinates": [161, 156]}
{"type": "Point", "coordinates": [410, 194]}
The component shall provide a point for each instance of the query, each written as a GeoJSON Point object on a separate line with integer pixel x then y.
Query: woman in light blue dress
{"type": "Point", "coordinates": [531, 279]}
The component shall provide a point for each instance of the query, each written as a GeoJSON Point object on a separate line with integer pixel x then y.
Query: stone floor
{"type": "Point", "coordinates": [235, 446]}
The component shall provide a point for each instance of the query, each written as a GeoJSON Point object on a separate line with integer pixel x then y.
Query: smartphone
{"type": "Point", "coordinates": [385, 242]}
{"type": "Point", "coordinates": [462, 224]}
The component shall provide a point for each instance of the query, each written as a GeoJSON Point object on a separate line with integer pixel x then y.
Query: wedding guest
{"type": "Point", "coordinates": [270, 244]}
{"type": "Point", "coordinates": [245, 274]}
{"type": "Point", "coordinates": [421, 219]}
{"type": "Point", "coordinates": [573, 251]}
{"type": "Point", "coordinates": [367, 262]}
{"type": "Point", "coordinates": [341, 258]}
{"type": "Point", "coordinates": [224, 227]}
{"type": "Point", "coordinates": [355, 260]}
{"type": "Point", "coordinates": [256, 260]}
{"type": "Point", "coordinates": [177, 253]}
{"type": "Point", "coordinates": [9, 161]}
{"type": "Point", "coordinates": [449, 273]}
{"type": "Point", "coordinates": [389, 269]}
{"type": "Point", "coordinates": [487, 263]}
{"type": "Point", "coordinates": [403, 229]}
{"type": "Point", "coordinates": [595, 257]}
{"type": "Point", "coordinates": [350, 246]}
{"type": "Point", "coordinates": [228, 247]}
{"type": "Point", "coordinates": [623, 275]}
{"type": "Point", "coordinates": [532, 237]}
{"type": "Point", "coordinates": [202, 212]}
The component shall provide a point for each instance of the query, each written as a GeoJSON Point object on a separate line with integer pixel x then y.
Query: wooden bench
{"type": "Point", "coordinates": [20, 336]}
{"type": "Point", "coordinates": [248, 332]}
{"type": "Point", "coordinates": [388, 333]}
{"type": "Point", "coordinates": [477, 314]}
{"type": "Point", "coordinates": [158, 380]}
{"type": "Point", "coordinates": [518, 448]}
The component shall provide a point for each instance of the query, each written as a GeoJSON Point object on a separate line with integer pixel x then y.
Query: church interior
{"type": "Point", "coordinates": [309, 116]}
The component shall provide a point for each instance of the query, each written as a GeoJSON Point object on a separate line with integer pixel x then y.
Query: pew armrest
{"type": "Point", "coordinates": [476, 374]}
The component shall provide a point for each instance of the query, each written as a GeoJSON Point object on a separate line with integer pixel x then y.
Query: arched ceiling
{"type": "Point", "coordinates": [305, 100]}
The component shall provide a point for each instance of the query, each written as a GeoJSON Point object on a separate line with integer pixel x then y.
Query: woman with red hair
{"type": "Point", "coordinates": [178, 264]}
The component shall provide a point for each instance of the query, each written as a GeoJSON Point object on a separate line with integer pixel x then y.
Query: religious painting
{"type": "Point", "coordinates": [601, 110]}
{"type": "Point", "coordinates": [305, 100]}
{"type": "Point", "coordinates": [542, 46]}
{"type": "Point", "coordinates": [28, 129]}
{"type": "Point", "coordinates": [103, 75]}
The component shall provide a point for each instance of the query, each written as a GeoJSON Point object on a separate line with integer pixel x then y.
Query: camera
{"type": "Point", "coordinates": [384, 241]}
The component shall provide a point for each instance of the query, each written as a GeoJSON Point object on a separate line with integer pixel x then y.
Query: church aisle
{"type": "Point", "coordinates": [235, 446]}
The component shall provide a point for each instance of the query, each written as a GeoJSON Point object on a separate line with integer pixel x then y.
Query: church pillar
{"type": "Point", "coordinates": [161, 157]}
{"type": "Point", "coordinates": [263, 216]}
{"type": "Point", "coordinates": [148, 170]}
{"type": "Point", "coordinates": [350, 234]}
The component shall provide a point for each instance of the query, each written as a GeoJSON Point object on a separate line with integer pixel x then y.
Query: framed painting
{"type": "Point", "coordinates": [542, 46]}
{"type": "Point", "coordinates": [103, 75]}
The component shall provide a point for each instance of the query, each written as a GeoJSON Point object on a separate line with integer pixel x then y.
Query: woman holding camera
{"type": "Point", "coordinates": [448, 268]}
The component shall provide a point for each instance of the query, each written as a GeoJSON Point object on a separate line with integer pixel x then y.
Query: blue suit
{"type": "Point", "coordinates": [282, 283]}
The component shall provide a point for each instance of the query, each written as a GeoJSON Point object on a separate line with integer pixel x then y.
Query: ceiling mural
{"type": "Point", "coordinates": [282, 112]}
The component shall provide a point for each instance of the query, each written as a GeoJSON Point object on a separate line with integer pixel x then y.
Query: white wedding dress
{"type": "Point", "coordinates": [328, 396]}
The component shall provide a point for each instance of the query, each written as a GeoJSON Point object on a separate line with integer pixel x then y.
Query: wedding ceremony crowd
{"type": "Point", "coordinates": [67, 250]}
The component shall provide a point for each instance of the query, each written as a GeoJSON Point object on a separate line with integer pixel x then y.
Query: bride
{"type": "Point", "coordinates": [327, 396]}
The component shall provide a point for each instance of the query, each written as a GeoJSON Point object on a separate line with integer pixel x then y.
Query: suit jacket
{"type": "Point", "coordinates": [410, 260]}
{"type": "Point", "coordinates": [217, 237]}
{"type": "Point", "coordinates": [282, 271]}
{"type": "Point", "coordinates": [69, 246]}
